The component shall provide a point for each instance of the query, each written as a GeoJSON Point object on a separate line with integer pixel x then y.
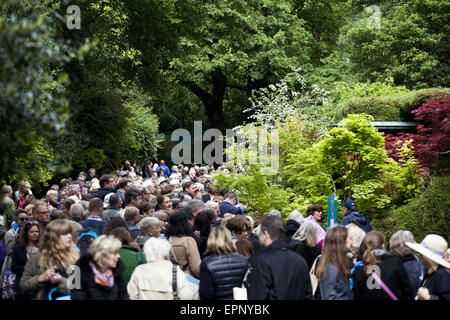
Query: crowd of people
{"type": "Point", "coordinates": [155, 233]}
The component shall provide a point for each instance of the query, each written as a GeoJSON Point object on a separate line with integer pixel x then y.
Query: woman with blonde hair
{"type": "Point", "coordinates": [436, 283]}
{"type": "Point", "coordinates": [47, 268]}
{"type": "Point", "coordinates": [101, 271]}
{"type": "Point", "coordinates": [307, 246]}
{"type": "Point", "coordinates": [222, 268]}
{"type": "Point", "coordinates": [413, 266]}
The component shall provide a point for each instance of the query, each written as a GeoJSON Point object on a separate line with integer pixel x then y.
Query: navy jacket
{"type": "Point", "coordinates": [227, 207]}
{"type": "Point", "coordinates": [438, 284]}
{"type": "Point", "coordinates": [357, 218]}
{"type": "Point", "coordinates": [19, 260]}
{"type": "Point", "coordinates": [278, 273]}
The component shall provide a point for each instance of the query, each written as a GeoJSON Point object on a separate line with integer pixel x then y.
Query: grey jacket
{"type": "Point", "coordinates": [333, 287]}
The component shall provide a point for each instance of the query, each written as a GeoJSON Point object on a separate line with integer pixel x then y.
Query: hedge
{"type": "Point", "coordinates": [389, 108]}
{"type": "Point", "coordinates": [429, 213]}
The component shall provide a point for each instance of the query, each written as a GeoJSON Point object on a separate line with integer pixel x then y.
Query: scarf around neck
{"type": "Point", "coordinates": [105, 279]}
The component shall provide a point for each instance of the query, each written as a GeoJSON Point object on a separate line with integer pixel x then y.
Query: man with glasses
{"type": "Point", "coordinates": [41, 214]}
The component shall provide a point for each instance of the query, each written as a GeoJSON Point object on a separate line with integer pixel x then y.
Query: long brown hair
{"type": "Point", "coordinates": [373, 240]}
{"type": "Point", "coordinates": [335, 252]}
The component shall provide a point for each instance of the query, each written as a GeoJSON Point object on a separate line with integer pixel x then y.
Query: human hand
{"type": "Point", "coordinates": [197, 233]}
{"type": "Point", "coordinates": [45, 276]}
{"type": "Point", "coordinates": [55, 277]}
{"type": "Point", "coordinates": [423, 294]}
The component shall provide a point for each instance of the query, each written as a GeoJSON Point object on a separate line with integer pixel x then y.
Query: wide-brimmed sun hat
{"type": "Point", "coordinates": [432, 247]}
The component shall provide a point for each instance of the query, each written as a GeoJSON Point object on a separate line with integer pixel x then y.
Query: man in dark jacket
{"type": "Point", "coordinates": [106, 186]}
{"type": "Point", "coordinates": [277, 272]}
{"type": "Point", "coordinates": [228, 204]}
{"type": "Point", "coordinates": [353, 216]}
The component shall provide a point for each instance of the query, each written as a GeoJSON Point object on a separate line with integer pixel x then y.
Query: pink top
{"type": "Point", "coordinates": [320, 232]}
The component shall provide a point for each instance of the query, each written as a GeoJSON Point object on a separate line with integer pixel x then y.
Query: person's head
{"type": "Point", "coordinates": [112, 223]}
{"type": "Point", "coordinates": [356, 235]}
{"type": "Point", "coordinates": [178, 226]}
{"type": "Point", "coordinates": [373, 240]}
{"type": "Point", "coordinates": [131, 215]}
{"type": "Point", "coordinates": [397, 243]}
{"type": "Point", "coordinates": [82, 175]}
{"type": "Point", "coordinates": [41, 212]}
{"type": "Point", "coordinates": [29, 234]}
{"type": "Point", "coordinates": [348, 205]}
{"type": "Point", "coordinates": [432, 251]}
{"type": "Point", "coordinates": [56, 245]}
{"type": "Point", "coordinates": [220, 242]}
{"type": "Point", "coordinates": [76, 211]}
{"type": "Point", "coordinates": [189, 188]}
{"type": "Point", "coordinates": [21, 217]}
{"type": "Point", "coordinates": [336, 245]}
{"type": "Point", "coordinates": [123, 235]}
{"type": "Point", "coordinates": [238, 227]}
{"type": "Point", "coordinates": [107, 181]}
{"type": "Point", "coordinates": [164, 202]}
{"type": "Point", "coordinates": [145, 209]}
{"type": "Point", "coordinates": [7, 190]}
{"type": "Point", "coordinates": [307, 232]}
{"type": "Point", "coordinates": [95, 207]}
{"type": "Point", "coordinates": [296, 216]}
{"type": "Point", "coordinates": [92, 172]}
{"type": "Point", "coordinates": [115, 202]}
{"type": "Point", "coordinates": [76, 231]}
{"type": "Point", "coordinates": [213, 205]}
{"type": "Point", "coordinates": [274, 213]}
{"type": "Point", "coordinates": [272, 229]}
{"type": "Point", "coordinates": [66, 204]}
{"type": "Point", "coordinates": [245, 248]}
{"type": "Point", "coordinates": [157, 249]}
{"type": "Point", "coordinates": [193, 207]}
{"type": "Point", "coordinates": [74, 190]}
{"type": "Point", "coordinates": [163, 218]}
{"type": "Point", "coordinates": [64, 195]}
{"type": "Point", "coordinates": [52, 195]}
{"type": "Point", "coordinates": [124, 183]}
{"type": "Point", "coordinates": [29, 210]}
{"type": "Point", "coordinates": [231, 196]}
{"type": "Point", "coordinates": [104, 252]}
{"type": "Point", "coordinates": [315, 210]}
{"type": "Point", "coordinates": [150, 226]}
{"type": "Point", "coordinates": [204, 221]}
{"type": "Point", "coordinates": [132, 198]}
{"type": "Point", "coordinates": [58, 214]}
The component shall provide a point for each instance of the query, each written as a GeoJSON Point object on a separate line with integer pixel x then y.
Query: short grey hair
{"type": "Point", "coordinates": [211, 205]}
{"type": "Point", "coordinates": [297, 216]}
{"type": "Point", "coordinates": [76, 211]}
{"type": "Point", "coordinates": [397, 243]}
{"type": "Point", "coordinates": [275, 213]}
{"type": "Point", "coordinates": [148, 224]}
{"type": "Point", "coordinates": [157, 249]}
{"type": "Point", "coordinates": [73, 188]}
{"type": "Point", "coordinates": [307, 232]}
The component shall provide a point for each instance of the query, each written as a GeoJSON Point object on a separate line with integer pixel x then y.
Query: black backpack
{"type": "Point", "coordinates": [87, 235]}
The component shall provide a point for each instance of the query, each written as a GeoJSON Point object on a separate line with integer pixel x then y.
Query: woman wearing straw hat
{"type": "Point", "coordinates": [436, 284]}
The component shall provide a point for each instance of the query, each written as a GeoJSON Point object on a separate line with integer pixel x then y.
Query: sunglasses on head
{"type": "Point", "coordinates": [32, 222]}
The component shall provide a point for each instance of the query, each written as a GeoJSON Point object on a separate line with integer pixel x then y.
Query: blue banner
{"type": "Point", "coordinates": [332, 210]}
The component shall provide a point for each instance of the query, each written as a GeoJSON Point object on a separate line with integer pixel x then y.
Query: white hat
{"type": "Point", "coordinates": [106, 200]}
{"type": "Point", "coordinates": [433, 247]}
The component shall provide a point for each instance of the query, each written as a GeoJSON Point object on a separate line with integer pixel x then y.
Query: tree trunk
{"type": "Point", "coordinates": [213, 102]}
